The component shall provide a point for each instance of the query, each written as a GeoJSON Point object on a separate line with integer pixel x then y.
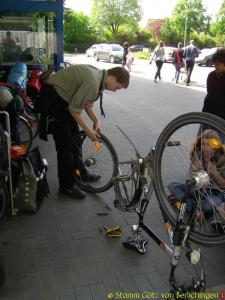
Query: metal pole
{"type": "Point", "coordinates": [185, 26]}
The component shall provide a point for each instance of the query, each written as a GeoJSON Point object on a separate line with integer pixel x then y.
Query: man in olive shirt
{"type": "Point", "coordinates": [62, 101]}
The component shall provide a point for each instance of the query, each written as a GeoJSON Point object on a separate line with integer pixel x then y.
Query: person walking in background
{"type": "Point", "coordinates": [214, 102]}
{"type": "Point", "coordinates": [130, 59]}
{"type": "Point", "coordinates": [178, 60]}
{"type": "Point", "coordinates": [125, 52]}
{"type": "Point", "coordinates": [158, 56]}
{"type": "Point", "coordinates": [190, 53]}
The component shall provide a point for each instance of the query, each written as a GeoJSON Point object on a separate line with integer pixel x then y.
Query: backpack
{"type": "Point", "coordinates": [30, 181]}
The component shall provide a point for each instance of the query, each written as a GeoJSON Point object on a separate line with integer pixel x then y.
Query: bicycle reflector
{"type": "Point", "coordinates": [214, 143]}
{"type": "Point", "coordinates": [96, 146]}
{"type": "Point", "coordinates": [17, 151]}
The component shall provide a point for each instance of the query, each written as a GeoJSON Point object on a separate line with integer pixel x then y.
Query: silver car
{"type": "Point", "coordinates": [205, 57]}
{"type": "Point", "coordinates": [110, 52]}
{"type": "Point", "coordinates": [90, 51]}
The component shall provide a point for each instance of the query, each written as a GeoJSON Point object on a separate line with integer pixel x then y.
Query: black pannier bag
{"type": "Point", "coordinates": [30, 181]}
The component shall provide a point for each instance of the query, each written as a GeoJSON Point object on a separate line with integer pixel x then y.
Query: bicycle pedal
{"type": "Point", "coordinates": [113, 231]}
{"type": "Point", "coordinates": [123, 177]}
{"type": "Point", "coordinates": [139, 246]}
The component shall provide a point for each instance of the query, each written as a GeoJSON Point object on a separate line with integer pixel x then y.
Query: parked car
{"type": "Point", "coordinates": [205, 57]}
{"type": "Point", "coordinates": [135, 48]}
{"type": "Point", "coordinates": [110, 52]}
{"type": "Point", "coordinates": [90, 51]}
{"type": "Point", "coordinates": [168, 54]}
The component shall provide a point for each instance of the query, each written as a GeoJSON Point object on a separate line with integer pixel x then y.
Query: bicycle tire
{"type": "Point", "coordinates": [33, 120]}
{"type": "Point", "coordinates": [4, 196]}
{"type": "Point", "coordinates": [99, 158]}
{"type": "Point", "coordinates": [165, 168]}
{"type": "Point", "coordinates": [25, 133]}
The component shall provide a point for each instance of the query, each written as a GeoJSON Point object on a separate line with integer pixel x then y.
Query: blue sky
{"type": "Point", "coordinates": [151, 8]}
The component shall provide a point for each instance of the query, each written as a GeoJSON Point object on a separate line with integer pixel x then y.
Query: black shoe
{"type": "Point", "coordinates": [73, 192]}
{"type": "Point", "coordinates": [88, 177]}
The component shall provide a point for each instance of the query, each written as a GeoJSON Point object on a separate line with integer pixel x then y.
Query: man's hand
{"type": "Point", "coordinates": [93, 135]}
{"type": "Point", "coordinates": [97, 126]}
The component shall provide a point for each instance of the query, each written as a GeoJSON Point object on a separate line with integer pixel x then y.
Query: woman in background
{"type": "Point", "coordinates": [178, 61]}
{"type": "Point", "coordinates": [158, 56]}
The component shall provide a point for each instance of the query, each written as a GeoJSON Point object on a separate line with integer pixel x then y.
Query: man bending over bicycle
{"type": "Point", "coordinates": [62, 101]}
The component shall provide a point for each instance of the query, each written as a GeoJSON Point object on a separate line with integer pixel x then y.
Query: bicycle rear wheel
{"type": "Point", "coordinates": [25, 133]}
{"type": "Point", "coordinates": [33, 120]}
{"type": "Point", "coordinates": [172, 169]}
{"type": "Point", "coordinates": [97, 158]}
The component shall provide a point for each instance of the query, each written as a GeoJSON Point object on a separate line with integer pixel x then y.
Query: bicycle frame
{"type": "Point", "coordinates": [177, 236]}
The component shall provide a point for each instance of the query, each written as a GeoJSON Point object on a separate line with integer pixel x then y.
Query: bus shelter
{"type": "Point", "coordinates": [31, 31]}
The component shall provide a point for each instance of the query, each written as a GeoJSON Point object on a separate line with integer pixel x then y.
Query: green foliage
{"type": "Point", "coordinates": [187, 13]}
{"type": "Point", "coordinates": [169, 33]}
{"type": "Point", "coordinates": [218, 27]}
{"type": "Point", "coordinates": [193, 13]}
{"type": "Point", "coordinates": [142, 55]}
{"type": "Point", "coordinates": [203, 40]}
{"type": "Point", "coordinates": [112, 14]}
{"type": "Point", "coordinates": [78, 32]}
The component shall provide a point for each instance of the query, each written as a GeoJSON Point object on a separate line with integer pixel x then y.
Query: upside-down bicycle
{"type": "Point", "coordinates": [135, 180]}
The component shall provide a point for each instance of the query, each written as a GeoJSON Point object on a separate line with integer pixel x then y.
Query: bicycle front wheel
{"type": "Point", "coordinates": [97, 158]}
{"type": "Point", "coordinates": [174, 150]}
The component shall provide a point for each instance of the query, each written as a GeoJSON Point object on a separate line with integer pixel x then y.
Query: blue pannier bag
{"type": "Point", "coordinates": [18, 75]}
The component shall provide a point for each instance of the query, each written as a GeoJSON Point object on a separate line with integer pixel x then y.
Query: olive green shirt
{"type": "Point", "coordinates": [78, 85]}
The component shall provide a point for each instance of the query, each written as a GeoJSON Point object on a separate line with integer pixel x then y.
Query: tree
{"type": "Point", "coordinates": [110, 15]}
{"type": "Point", "coordinates": [189, 16]}
{"type": "Point", "coordinates": [218, 27]}
{"type": "Point", "coordinates": [168, 33]}
{"type": "Point", "coordinates": [78, 32]}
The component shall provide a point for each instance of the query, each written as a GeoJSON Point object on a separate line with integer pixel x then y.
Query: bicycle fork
{"type": "Point", "coordinates": [180, 241]}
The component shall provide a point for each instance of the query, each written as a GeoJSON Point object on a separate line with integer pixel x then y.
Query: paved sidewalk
{"type": "Point", "coordinates": [59, 253]}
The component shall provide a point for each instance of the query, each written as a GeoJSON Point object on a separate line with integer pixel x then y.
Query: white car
{"type": "Point", "coordinates": [168, 54]}
{"type": "Point", "coordinates": [90, 51]}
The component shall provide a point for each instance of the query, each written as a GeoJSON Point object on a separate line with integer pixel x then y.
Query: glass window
{"type": "Point", "coordinates": [29, 37]}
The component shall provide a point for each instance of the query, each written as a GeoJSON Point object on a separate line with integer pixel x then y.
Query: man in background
{"type": "Point", "coordinates": [190, 53]}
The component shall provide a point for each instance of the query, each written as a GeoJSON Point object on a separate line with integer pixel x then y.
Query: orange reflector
{"type": "Point", "coordinates": [178, 205]}
{"type": "Point", "coordinates": [17, 151]}
{"type": "Point", "coordinates": [96, 146]}
{"type": "Point", "coordinates": [214, 143]}
{"type": "Point", "coordinates": [167, 226]}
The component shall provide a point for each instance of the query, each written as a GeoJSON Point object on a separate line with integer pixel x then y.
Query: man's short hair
{"type": "Point", "coordinates": [122, 75]}
{"type": "Point", "coordinates": [219, 56]}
